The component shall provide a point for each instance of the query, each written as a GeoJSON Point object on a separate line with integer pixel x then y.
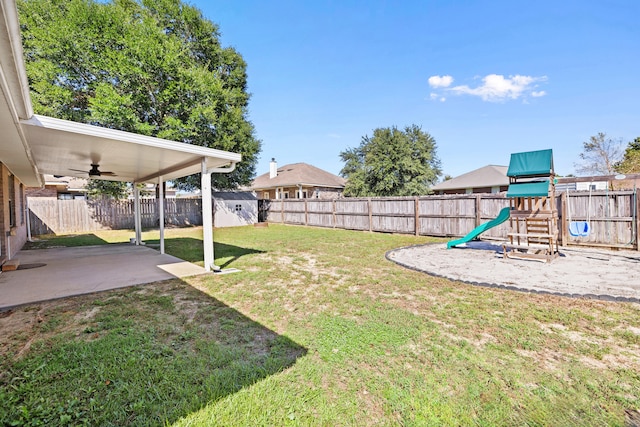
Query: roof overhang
{"type": "Point", "coordinates": [62, 147]}
{"type": "Point", "coordinates": [15, 102]}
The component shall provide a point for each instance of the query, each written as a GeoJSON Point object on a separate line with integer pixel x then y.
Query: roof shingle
{"type": "Point", "coordinates": [487, 176]}
{"type": "Point", "coordinates": [298, 173]}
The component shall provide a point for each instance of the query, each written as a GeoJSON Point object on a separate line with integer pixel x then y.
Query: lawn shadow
{"type": "Point", "coordinates": [223, 251]}
{"type": "Point", "coordinates": [64, 240]}
{"type": "Point", "coordinates": [146, 355]}
{"type": "Point", "coordinates": [190, 249]}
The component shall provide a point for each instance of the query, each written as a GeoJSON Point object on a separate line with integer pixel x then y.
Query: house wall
{"type": "Point", "coordinates": [312, 193]}
{"type": "Point", "coordinates": [475, 190]}
{"type": "Point", "coordinates": [12, 237]}
{"type": "Point", "coordinates": [596, 185]}
{"type": "Point", "coordinates": [46, 191]}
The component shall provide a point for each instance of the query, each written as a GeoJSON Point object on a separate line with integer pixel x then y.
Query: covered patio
{"type": "Point", "coordinates": [62, 147]}
{"type": "Point", "coordinates": [47, 274]}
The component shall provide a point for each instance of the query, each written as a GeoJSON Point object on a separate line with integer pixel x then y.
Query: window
{"type": "Point", "coordinates": [238, 208]}
{"type": "Point", "coordinates": [265, 195]}
{"type": "Point", "coordinates": [285, 194]}
{"type": "Point", "coordinates": [12, 201]}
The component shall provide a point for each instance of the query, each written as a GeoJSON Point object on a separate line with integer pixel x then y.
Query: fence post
{"type": "Point", "coordinates": [306, 213]}
{"type": "Point", "coordinates": [416, 221]}
{"type": "Point", "coordinates": [333, 212]}
{"type": "Point", "coordinates": [564, 237]}
{"type": "Point", "coordinates": [637, 234]}
{"type": "Point", "coordinates": [282, 211]}
{"type": "Point", "coordinates": [370, 215]}
{"type": "Point", "coordinates": [478, 214]}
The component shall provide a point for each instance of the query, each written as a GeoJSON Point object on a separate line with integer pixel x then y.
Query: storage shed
{"type": "Point", "coordinates": [234, 208]}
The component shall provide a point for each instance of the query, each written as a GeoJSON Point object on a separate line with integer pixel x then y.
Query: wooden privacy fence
{"type": "Point", "coordinates": [48, 216]}
{"type": "Point", "coordinates": [612, 215]}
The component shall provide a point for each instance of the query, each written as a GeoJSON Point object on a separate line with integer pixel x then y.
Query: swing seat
{"type": "Point", "coordinates": [579, 228]}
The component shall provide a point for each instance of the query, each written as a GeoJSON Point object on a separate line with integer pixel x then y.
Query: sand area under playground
{"type": "Point", "coordinates": [577, 272]}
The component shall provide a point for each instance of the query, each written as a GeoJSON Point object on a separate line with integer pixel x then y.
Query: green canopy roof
{"type": "Point", "coordinates": [531, 163]}
{"type": "Point", "coordinates": [529, 189]}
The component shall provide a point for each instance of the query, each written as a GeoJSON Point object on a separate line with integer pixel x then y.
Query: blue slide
{"type": "Point", "coordinates": [502, 217]}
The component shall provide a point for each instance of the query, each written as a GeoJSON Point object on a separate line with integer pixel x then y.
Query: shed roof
{"type": "Point", "coordinates": [234, 195]}
{"type": "Point", "coordinates": [487, 176]}
{"type": "Point", "coordinates": [298, 174]}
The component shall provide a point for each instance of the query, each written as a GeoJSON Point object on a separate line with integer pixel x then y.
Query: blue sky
{"type": "Point", "coordinates": [485, 79]}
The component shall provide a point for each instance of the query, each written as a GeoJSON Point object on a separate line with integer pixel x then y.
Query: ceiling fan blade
{"type": "Point", "coordinates": [94, 172]}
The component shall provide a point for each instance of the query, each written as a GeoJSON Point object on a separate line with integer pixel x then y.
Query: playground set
{"type": "Point", "coordinates": [532, 211]}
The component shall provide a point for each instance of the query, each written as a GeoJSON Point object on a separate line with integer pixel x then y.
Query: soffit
{"type": "Point", "coordinates": [62, 147]}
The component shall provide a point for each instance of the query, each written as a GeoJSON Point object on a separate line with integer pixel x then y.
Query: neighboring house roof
{"type": "Point", "coordinates": [298, 174]}
{"type": "Point", "coordinates": [487, 176]}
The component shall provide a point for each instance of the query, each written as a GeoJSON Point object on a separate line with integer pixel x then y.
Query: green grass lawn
{"type": "Point", "coordinates": [317, 329]}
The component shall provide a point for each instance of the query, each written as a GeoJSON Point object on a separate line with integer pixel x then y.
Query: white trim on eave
{"type": "Point", "coordinates": [15, 90]}
{"type": "Point", "coordinates": [12, 25]}
{"type": "Point", "coordinates": [119, 135]}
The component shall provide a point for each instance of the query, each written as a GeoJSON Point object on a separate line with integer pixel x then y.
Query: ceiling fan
{"type": "Point", "coordinates": [95, 171]}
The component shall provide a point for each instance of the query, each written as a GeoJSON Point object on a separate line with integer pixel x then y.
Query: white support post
{"type": "Point", "coordinates": [161, 212]}
{"type": "Point", "coordinates": [207, 218]}
{"type": "Point", "coordinates": [26, 212]}
{"type": "Point", "coordinates": [136, 216]}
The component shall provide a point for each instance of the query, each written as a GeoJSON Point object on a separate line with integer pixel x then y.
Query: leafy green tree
{"type": "Point", "coordinates": [631, 161]}
{"type": "Point", "coordinates": [392, 162]}
{"type": "Point", "coordinates": [103, 189]}
{"type": "Point", "coordinates": [600, 155]}
{"type": "Point", "coordinates": [154, 67]}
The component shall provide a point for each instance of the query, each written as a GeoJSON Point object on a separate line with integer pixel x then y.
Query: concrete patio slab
{"type": "Point", "coordinates": [82, 270]}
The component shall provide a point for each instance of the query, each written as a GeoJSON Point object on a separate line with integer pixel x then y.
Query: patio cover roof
{"type": "Point", "coordinates": [59, 146]}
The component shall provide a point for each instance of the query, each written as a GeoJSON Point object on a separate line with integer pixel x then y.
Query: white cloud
{"type": "Point", "coordinates": [496, 87]}
{"type": "Point", "coordinates": [440, 81]}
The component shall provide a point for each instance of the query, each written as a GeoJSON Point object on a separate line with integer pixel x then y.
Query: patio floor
{"type": "Point", "coordinates": [46, 274]}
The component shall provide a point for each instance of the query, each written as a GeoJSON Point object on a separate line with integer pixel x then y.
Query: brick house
{"type": "Point", "coordinates": [297, 181]}
{"type": "Point", "coordinates": [488, 179]}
